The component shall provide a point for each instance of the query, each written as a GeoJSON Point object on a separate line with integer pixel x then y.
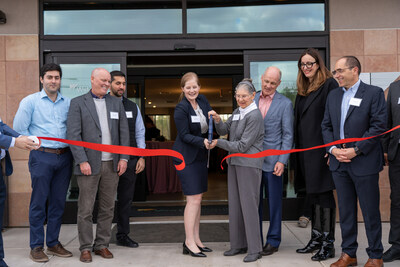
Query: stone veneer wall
{"type": "Point", "coordinates": [369, 30]}
{"type": "Point", "coordinates": [19, 76]}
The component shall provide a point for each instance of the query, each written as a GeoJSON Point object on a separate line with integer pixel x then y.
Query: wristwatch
{"type": "Point", "coordinates": [357, 150]}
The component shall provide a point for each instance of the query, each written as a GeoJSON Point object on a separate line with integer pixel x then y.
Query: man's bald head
{"type": "Point", "coordinates": [100, 80]}
{"type": "Point", "coordinates": [270, 80]}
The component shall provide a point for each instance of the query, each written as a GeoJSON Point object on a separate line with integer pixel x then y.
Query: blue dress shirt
{"type": "Point", "coordinates": [347, 96]}
{"type": "Point", "coordinates": [140, 130]}
{"type": "Point", "coordinates": [38, 115]}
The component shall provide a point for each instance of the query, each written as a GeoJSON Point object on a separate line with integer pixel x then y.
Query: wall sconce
{"type": "Point", "coordinates": [3, 18]}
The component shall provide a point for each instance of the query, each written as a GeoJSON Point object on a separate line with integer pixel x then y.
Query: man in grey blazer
{"type": "Point", "coordinates": [277, 111]}
{"type": "Point", "coordinates": [97, 118]}
{"type": "Point", "coordinates": [391, 147]}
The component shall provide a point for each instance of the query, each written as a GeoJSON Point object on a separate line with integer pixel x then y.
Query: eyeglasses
{"type": "Point", "coordinates": [340, 71]}
{"type": "Point", "coordinates": [242, 96]}
{"type": "Point", "coordinates": [307, 64]}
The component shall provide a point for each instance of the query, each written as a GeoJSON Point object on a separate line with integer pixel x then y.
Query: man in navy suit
{"type": "Point", "coordinates": [8, 138]}
{"type": "Point", "coordinates": [356, 110]}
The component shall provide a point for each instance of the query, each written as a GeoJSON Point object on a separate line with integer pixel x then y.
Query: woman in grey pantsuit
{"type": "Point", "coordinates": [246, 132]}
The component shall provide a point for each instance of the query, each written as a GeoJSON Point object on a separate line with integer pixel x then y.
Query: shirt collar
{"type": "Point", "coordinates": [354, 88]}
{"type": "Point", "coordinates": [95, 96]}
{"type": "Point", "coordinates": [43, 94]}
{"type": "Point", "coordinates": [268, 96]}
{"type": "Point", "coordinates": [244, 111]}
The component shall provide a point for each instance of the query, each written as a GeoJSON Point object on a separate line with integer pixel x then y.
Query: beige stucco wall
{"type": "Point", "coordinates": [19, 76]}
{"type": "Point", "coordinates": [369, 30]}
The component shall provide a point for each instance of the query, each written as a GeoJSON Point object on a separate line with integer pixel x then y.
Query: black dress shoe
{"type": "Point", "coordinates": [268, 250]}
{"type": "Point", "coordinates": [126, 241]}
{"type": "Point", "coordinates": [187, 251]}
{"type": "Point", "coordinates": [252, 257]}
{"type": "Point", "coordinates": [205, 249]}
{"type": "Point", "coordinates": [391, 255]}
{"type": "Point", "coordinates": [235, 251]}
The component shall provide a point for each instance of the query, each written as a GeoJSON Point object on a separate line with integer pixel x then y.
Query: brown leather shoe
{"type": "Point", "coordinates": [86, 256]}
{"type": "Point", "coordinates": [38, 255]}
{"type": "Point", "coordinates": [104, 252]}
{"type": "Point", "coordinates": [344, 261]}
{"type": "Point", "coordinates": [374, 263]}
{"type": "Point", "coordinates": [59, 250]}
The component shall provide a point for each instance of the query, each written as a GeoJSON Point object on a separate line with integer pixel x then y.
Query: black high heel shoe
{"type": "Point", "coordinates": [205, 249]}
{"type": "Point", "coordinates": [187, 251]}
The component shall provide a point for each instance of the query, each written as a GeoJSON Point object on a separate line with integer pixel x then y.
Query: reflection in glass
{"type": "Point", "coordinates": [86, 22]}
{"type": "Point", "coordinates": [76, 77]}
{"type": "Point", "coordinates": [267, 18]}
{"type": "Point", "coordinates": [288, 88]}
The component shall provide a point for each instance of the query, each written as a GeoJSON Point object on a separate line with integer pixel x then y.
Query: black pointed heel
{"type": "Point", "coordinates": [187, 251]}
{"type": "Point", "coordinates": [205, 249]}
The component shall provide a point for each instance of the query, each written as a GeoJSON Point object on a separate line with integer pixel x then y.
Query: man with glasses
{"type": "Point", "coordinates": [356, 110]}
{"type": "Point", "coordinates": [277, 111]}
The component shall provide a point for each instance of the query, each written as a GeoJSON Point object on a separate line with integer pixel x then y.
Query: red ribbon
{"type": "Point", "coordinates": [275, 152]}
{"type": "Point", "coordinates": [126, 150]}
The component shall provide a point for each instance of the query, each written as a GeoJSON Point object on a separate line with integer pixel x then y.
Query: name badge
{"type": "Point", "coordinates": [114, 115]}
{"type": "Point", "coordinates": [398, 102]}
{"type": "Point", "coordinates": [195, 119]}
{"type": "Point", "coordinates": [236, 117]}
{"type": "Point", "coordinates": [355, 101]}
{"type": "Point", "coordinates": [129, 114]}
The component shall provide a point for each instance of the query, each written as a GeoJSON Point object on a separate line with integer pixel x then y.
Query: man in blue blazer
{"type": "Point", "coordinates": [356, 110]}
{"type": "Point", "coordinates": [8, 138]}
{"type": "Point", "coordinates": [277, 111]}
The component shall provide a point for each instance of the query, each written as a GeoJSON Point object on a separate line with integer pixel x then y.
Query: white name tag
{"type": "Point", "coordinates": [129, 114]}
{"type": "Point", "coordinates": [236, 117]}
{"type": "Point", "coordinates": [195, 119]}
{"type": "Point", "coordinates": [398, 102]}
{"type": "Point", "coordinates": [114, 115]}
{"type": "Point", "coordinates": [355, 101]}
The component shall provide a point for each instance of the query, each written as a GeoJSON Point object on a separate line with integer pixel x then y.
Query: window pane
{"type": "Point", "coordinates": [261, 18]}
{"type": "Point", "coordinates": [76, 77]}
{"type": "Point", "coordinates": [86, 22]}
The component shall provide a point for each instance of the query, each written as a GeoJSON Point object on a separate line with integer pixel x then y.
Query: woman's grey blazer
{"type": "Point", "coordinates": [245, 136]}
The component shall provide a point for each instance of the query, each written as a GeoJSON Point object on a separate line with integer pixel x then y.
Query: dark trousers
{"type": "Point", "coordinates": [126, 189]}
{"type": "Point", "coordinates": [272, 185]}
{"type": "Point", "coordinates": [3, 195]}
{"type": "Point", "coordinates": [350, 186]}
{"type": "Point", "coordinates": [394, 177]}
{"type": "Point", "coordinates": [50, 175]}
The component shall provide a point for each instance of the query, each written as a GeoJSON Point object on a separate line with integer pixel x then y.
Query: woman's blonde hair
{"type": "Point", "coordinates": [304, 86]}
{"type": "Point", "coordinates": [186, 77]}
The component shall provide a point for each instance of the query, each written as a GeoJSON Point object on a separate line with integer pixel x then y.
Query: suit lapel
{"type": "Point", "coordinates": [89, 102]}
{"type": "Point", "coordinates": [108, 110]}
{"type": "Point", "coordinates": [310, 99]}
{"type": "Point", "coordinates": [359, 94]}
{"type": "Point", "coordinates": [274, 105]}
{"type": "Point", "coordinates": [339, 105]}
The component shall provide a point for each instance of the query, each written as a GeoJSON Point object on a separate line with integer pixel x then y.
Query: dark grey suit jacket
{"type": "Point", "coordinates": [391, 140]}
{"type": "Point", "coordinates": [83, 125]}
{"type": "Point", "coordinates": [245, 136]}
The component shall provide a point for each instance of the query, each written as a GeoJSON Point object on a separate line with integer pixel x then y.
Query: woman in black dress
{"type": "Point", "coordinates": [191, 121]}
{"type": "Point", "coordinates": [314, 82]}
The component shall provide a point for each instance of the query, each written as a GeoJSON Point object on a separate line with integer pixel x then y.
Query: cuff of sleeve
{"type": "Point", "coordinates": [330, 149]}
{"type": "Point", "coordinates": [12, 142]}
{"type": "Point", "coordinates": [125, 160]}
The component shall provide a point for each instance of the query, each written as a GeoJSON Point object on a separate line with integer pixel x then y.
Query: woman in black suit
{"type": "Point", "coordinates": [314, 82]}
{"type": "Point", "coordinates": [192, 125]}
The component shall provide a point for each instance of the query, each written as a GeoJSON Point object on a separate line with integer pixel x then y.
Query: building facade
{"type": "Point", "coordinates": [367, 29]}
